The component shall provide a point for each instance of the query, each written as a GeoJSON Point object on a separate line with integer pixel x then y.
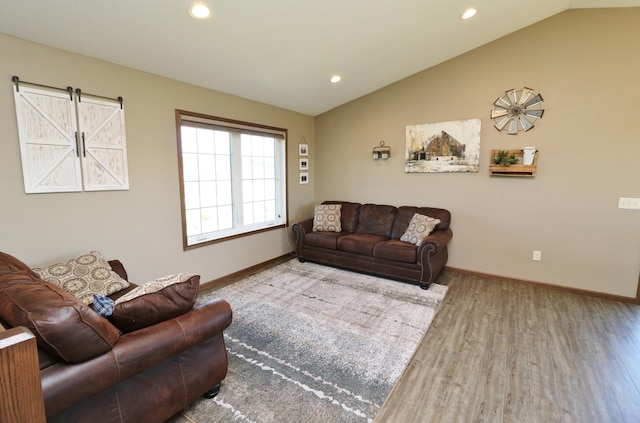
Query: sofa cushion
{"type": "Point", "coordinates": [61, 323]}
{"type": "Point", "coordinates": [359, 243]}
{"type": "Point", "coordinates": [349, 214]}
{"type": "Point", "coordinates": [419, 229]}
{"type": "Point", "coordinates": [396, 250]}
{"type": "Point", "coordinates": [374, 219]}
{"type": "Point", "coordinates": [156, 301]}
{"type": "Point", "coordinates": [326, 218]}
{"type": "Point", "coordinates": [327, 240]}
{"type": "Point", "coordinates": [84, 276]}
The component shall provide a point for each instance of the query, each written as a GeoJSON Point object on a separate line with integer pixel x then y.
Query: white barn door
{"type": "Point", "coordinates": [67, 146]}
{"type": "Point", "coordinates": [104, 146]}
{"type": "Point", "coordinates": [47, 131]}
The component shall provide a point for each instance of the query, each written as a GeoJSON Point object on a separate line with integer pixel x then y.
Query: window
{"type": "Point", "coordinates": [232, 177]}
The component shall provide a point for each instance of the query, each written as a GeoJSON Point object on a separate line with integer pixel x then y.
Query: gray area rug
{"type": "Point", "coordinates": [311, 343]}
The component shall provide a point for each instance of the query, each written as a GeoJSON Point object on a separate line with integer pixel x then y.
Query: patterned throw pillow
{"type": "Point", "coordinates": [326, 218]}
{"type": "Point", "coordinates": [419, 228]}
{"type": "Point", "coordinates": [87, 275]}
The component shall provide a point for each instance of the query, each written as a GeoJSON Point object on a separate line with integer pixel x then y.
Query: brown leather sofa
{"type": "Point", "coordinates": [91, 371]}
{"type": "Point", "coordinates": [369, 242]}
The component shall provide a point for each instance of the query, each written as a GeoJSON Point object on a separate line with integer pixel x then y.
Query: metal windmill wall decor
{"type": "Point", "coordinates": [517, 110]}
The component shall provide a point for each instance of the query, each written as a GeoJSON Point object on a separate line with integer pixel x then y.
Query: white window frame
{"type": "Point", "coordinates": [235, 128]}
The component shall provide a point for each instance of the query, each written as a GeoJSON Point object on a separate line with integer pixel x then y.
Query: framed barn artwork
{"type": "Point", "coordinates": [443, 147]}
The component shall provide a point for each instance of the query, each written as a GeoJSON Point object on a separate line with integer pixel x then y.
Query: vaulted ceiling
{"type": "Point", "coordinates": [278, 52]}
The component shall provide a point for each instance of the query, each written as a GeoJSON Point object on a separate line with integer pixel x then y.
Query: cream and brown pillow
{"type": "Point", "coordinates": [84, 276]}
{"type": "Point", "coordinates": [419, 228]}
{"type": "Point", "coordinates": [326, 218]}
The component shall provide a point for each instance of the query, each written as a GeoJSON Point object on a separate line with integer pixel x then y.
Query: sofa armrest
{"type": "Point", "coordinates": [301, 228]}
{"type": "Point", "coordinates": [65, 384]}
{"type": "Point", "coordinates": [435, 242]}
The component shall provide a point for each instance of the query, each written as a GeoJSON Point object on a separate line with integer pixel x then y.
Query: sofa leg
{"type": "Point", "coordinates": [212, 393]}
{"type": "Point", "coordinates": [301, 260]}
{"type": "Point", "coordinates": [424, 285]}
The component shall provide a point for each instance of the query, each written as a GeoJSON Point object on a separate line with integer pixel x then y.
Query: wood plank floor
{"type": "Point", "coordinates": [503, 352]}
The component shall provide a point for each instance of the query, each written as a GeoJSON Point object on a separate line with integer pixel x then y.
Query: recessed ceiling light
{"type": "Point", "coordinates": [200, 11]}
{"type": "Point", "coordinates": [469, 13]}
{"type": "Point", "coordinates": [335, 79]}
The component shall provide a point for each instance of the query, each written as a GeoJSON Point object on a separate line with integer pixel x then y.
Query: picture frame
{"type": "Point", "coordinates": [304, 164]}
{"type": "Point", "coordinates": [443, 147]}
{"type": "Point", "coordinates": [304, 178]}
{"type": "Point", "coordinates": [303, 149]}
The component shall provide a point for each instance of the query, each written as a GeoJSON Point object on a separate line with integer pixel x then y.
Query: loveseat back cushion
{"type": "Point", "coordinates": [405, 213]}
{"type": "Point", "coordinates": [61, 323]}
{"type": "Point", "coordinates": [155, 301]}
{"type": "Point", "coordinates": [348, 215]}
{"type": "Point", "coordinates": [374, 219]}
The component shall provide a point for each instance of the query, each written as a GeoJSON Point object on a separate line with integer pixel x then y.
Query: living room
{"type": "Point", "coordinates": [581, 64]}
{"type": "Point", "coordinates": [582, 61]}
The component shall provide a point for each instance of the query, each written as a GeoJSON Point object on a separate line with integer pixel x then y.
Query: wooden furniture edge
{"type": "Point", "coordinates": [21, 397]}
{"type": "Point", "coordinates": [577, 291]}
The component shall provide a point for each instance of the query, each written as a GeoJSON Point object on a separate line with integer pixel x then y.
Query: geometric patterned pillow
{"type": "Point", "coordinates": [326, 218]}
{"type": "Point", "coordinates": [84, 276]}
{"type": "Point", "coordinates": [419, 228]}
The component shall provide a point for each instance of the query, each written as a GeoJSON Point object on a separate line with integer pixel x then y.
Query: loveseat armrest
{"type": "Point", "coordinates": [65, 384]}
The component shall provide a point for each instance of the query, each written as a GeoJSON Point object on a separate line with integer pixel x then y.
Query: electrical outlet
{"type": "Point", "coordinates": [629, 203]}
{"type": "Point", "coordinates": [537, 255]}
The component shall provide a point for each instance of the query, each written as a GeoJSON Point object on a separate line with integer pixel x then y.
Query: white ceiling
{"type": "Point", "coordinates": [278, 52]}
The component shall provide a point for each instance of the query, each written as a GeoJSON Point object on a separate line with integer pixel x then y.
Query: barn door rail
{"type": "Point", "coordinates": [79, 94]}
{"type": "Point", "coordinates": [16, 80]}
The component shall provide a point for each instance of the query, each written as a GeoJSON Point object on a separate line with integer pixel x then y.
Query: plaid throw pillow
{"type": "Point", "coordinates": [103, 305]}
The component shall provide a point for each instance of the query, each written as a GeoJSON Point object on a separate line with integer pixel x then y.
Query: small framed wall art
{"type": "Point", "coordinates": [303, 149]}
{"type": "Point", "coordinates": [304, 164]}
{"type": "Point", "coordinates": [304, 178]}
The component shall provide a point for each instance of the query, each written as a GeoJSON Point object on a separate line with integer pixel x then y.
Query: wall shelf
{"type": "Point", "coordinates": [514, 169]}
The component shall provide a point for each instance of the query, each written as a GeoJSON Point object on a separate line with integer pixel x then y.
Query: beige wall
{"type": "Point", "coordinates": [141, 226]}
{"type": "Point", "coordinates": [586, 64]}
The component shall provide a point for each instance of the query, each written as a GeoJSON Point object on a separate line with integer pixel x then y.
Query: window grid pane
{"type": "Point", "coordinates": [258, 173]}
{"type": "Point", "coordinates": [210, 182]}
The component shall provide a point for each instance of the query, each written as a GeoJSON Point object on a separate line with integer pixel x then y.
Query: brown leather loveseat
{"type": "Point", "coordinates": [92, 371]}
{"type": "Point", "coordinates": [369, 239]}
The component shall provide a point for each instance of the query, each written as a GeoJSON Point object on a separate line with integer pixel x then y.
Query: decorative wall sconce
{"type": "Point", "coordinates": [381, 152]}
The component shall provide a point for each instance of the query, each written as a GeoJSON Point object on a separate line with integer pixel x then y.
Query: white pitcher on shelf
{"type": "Point", "coordinates": [528, 155]}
